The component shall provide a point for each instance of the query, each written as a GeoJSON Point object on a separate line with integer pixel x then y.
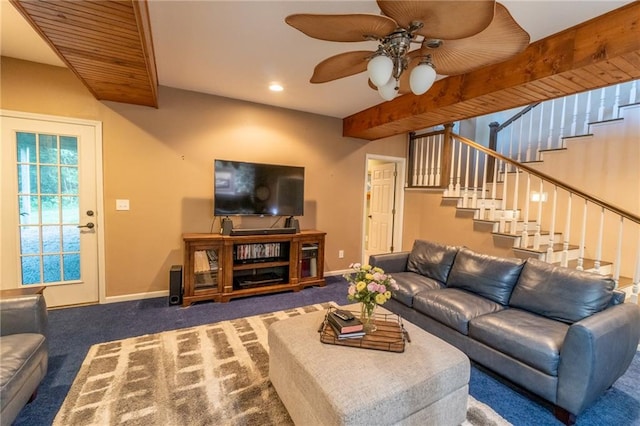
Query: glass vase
{"type": "Point", "coordinates": [367, 314]}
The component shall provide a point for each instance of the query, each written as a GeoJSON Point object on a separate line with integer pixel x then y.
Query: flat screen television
{"type": "Point", "coordinates": [242, 188]}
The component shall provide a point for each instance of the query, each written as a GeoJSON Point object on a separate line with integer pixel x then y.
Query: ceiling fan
{"type": "Point", "coordinates": [452, 37]}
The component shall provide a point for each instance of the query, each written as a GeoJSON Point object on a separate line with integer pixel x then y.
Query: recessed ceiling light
{"type": "Point", "coordinates": [275, 87]}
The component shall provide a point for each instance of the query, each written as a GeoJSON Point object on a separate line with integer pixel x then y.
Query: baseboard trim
{"type": "Point", "coordinates": [165, 293]}
{"type": "Point", "coordinates": [336, 273]}
{"type": "Point", "coordinates": [136, 296]}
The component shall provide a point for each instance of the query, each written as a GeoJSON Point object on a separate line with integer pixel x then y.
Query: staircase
{"type": "Point", "coordinates": [532, 205]}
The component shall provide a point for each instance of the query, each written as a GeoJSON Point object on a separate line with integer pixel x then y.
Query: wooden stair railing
{"type": "Point", "coordinates": [460, 167]}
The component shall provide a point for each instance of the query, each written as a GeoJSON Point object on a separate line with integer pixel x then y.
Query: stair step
{"type": "Point", "coordinates": [541, 253]}
{"type": "Point", "coordinates": [589, 266]}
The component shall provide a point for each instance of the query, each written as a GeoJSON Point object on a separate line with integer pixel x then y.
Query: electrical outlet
{"type": "Point", "coordinates": [340, 254]}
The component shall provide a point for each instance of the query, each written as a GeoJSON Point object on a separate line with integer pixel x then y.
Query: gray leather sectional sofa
{"type": "Point", "coordinates": [24, 353]}
{"type": "Point", "coordinates": [562, 334]}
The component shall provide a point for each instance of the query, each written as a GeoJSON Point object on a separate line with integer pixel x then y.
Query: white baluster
{"type": "Point", "coordinates": [524, 239]}
{"type": "Point", "coordinates": [451, 189]}
{"type": "Point", "coordinates": [483, 203]}
{"type": "Point", "coordinates": [562, 117]}
{"type": "Point", "coordinates": [502, 225]}
{"type": "Point", "coordinates": [583, 236]}
{"type": "Point", "coordinates": [514, 218]}
{"type": "Point", "coordinates": [529, 151]}
{"type": "Point", "coordinates": [459, 169]}
{"type": "Point", "coordinates": [539, 144]}
{"type": "Point", "coordinates": [421, 164]}
{"type": "Point", "coordinates": [601, 108]}
{"type": "Point", "coordinates": [551, 120]}
{"type": "Point", "coordinates": [438, 163]}
{"type": "Point", "coordinates": [432, 161]}
{"type": "Point", "coordinates": [616, 265]}
{"type": "Point", "coordinates": [552, 227]}
{"type": "Point", "coordinates": [615, 109]}
{"type": "Point", "coordinates": [596, 265]}
{"type": "Point", "coordinates": [414, 176]}
{"type": "Point", "coordinates": [492, 209]}
{"type": "Point", "coordinates": [465, 197]}
{"type": "Point", "coordinates": [567, 230]}
{"type": "Point", "coordinates": [519, 153]}
{"type": "Point", "coordinates": [538, 234]}
{"type": "Point", "coordinates": [474, 196]}
{"type": "Point", "coordinates": [574, 121]}
{"type": "Point", "coordinates": [632, 93]}
{"type": "Point", "coordinates": [587, 114]}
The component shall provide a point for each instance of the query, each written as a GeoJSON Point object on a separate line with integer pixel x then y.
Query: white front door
{"type": "Point", "coordinates": [383, 182]}
{"type": "Point", "coordinates": [51, 206]}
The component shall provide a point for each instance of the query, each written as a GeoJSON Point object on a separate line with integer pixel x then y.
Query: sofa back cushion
{"type": "Point", "coordinates": [488, 276]}
{"type": "Point", "coordinates": [562, 294]}
{"type": "Point", "coordinates": [431, 259]}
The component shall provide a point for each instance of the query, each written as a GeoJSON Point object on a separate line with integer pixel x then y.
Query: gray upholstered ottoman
{"type": "Point", "coordinates": [322, 384]}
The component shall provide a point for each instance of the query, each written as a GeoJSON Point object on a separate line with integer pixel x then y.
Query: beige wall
{"type": "Point", "coordinates": [162, 161]}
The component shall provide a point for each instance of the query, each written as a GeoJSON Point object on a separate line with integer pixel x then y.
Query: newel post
{"type": "Point", "coordinates": [445, 174]}
{"type": "Point", "coordinates": [493, 145]}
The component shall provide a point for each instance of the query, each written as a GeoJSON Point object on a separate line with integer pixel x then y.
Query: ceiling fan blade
{"type": "Point", "coordinates": [354, 27]}
{"type": "Point", "coordinates": [442, 19]}
{"type": "Point", "coordinates": [503, 39]}
{"type": "Point", "coordinates": [342, 65]}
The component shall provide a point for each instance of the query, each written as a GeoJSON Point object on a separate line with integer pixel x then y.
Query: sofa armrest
{"type": "Point", "coordinates": [596, 352]}
{"type": "Point", "coordinates": [23, 314]}
{"type": "Point", "coordinates": [390, 262]}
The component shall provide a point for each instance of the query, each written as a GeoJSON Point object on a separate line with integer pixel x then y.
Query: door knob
{"type": "Point", "coordinates": [89, 225]}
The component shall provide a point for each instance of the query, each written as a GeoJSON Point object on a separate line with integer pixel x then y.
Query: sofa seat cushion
{"type": "Point", "coordinates": [454, 307]}
{"type": "Point", "coordinates": [431, 259]}
{"type": "Point", "coordinates": [489, 276]}
{"type": "Point", "coordinates": [560, 293]}
{"type": "Point", "coordinates": [529, 338]}
{"type": "Point", "coordinates": [24, 364]}
{"type": "Point", "coordinates": [410, 283]}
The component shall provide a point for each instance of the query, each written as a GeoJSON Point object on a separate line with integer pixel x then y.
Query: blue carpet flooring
{"type": "Point", "coordinates": [74, 330]}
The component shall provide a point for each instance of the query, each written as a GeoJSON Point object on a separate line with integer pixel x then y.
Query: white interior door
{"type": "Point", "coordinates": [51, 200]}
{"type": "Point", "coordinates": [381, 208]}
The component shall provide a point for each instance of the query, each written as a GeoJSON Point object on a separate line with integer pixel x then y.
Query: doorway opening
{"type": "Point", "coordinates": [383, 205]}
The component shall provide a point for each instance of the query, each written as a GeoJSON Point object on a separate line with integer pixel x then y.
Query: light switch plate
{"type": "Point", "coordinates": [122, 204]}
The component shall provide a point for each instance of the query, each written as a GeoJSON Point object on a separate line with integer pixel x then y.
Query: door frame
{"type": "Point", "coordinates": [99, 218]}
{"type": "Point", "coordinates": [398, 198]}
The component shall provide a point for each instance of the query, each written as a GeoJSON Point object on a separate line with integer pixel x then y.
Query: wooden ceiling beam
{"type": "Point", "coordinates": [107, 44]}
{"type": "Point", "coordinates": [594, 54]}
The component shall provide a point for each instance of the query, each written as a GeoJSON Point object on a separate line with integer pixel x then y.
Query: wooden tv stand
{"type": "Point", "coordinates": [220, 267]}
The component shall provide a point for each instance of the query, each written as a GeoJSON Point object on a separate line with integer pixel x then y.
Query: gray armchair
{"type": "Point", "coordinates": [24, 352]}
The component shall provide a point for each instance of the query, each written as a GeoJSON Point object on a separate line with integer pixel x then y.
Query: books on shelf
{"type": "Point", "coordinates": [257, 251]}
{"type": "Point", "coordinates": [344, 326]}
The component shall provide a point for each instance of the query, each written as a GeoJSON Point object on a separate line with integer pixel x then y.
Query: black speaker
{"type": "Point", "coordinates": [226, 226]}
{"type": "Point", "coordinates": [175, 285]}
{"type": "Point", "coordinates": [292, 222]}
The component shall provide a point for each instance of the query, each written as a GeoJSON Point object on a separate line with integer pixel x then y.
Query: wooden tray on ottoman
{"type": "Point", "coordinates": [389, 336]}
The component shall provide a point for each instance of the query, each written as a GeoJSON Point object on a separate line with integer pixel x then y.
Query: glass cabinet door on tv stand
{"type": "Point", "coordinates": [203, 278]}
{"type": "Point", "coordinates": [311, 260]}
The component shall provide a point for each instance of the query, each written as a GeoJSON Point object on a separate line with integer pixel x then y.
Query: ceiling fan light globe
{"type": "Point", "coordinates": [388, 91]}
{"type": "Point", "coordinates": [422, 78]}
{"type": "Point", "coordinates": [380, 68]}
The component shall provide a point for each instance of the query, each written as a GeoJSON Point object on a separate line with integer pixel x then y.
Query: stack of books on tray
{"type": "Point", "coordinates": [345, 325]}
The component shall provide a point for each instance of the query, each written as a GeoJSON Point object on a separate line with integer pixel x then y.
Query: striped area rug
{"type": "Point", "coordinates": [214, 374]}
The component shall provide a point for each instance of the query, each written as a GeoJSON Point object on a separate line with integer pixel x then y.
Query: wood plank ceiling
{"type": "Point", "coordinates": [107, 44]}
{"type": "Point", "coordinates": [597, 53]}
